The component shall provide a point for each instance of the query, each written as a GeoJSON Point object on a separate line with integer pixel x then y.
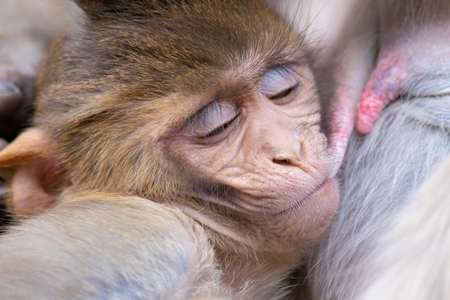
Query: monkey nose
{"type": "Point", "coordinates": [287, 156]}
{"type": "Point", "coordinates": [285, 161]}
{"type": "Point", "coordinates": [281, 146]}
{"type": "Point", "coordinates": [281, 161]}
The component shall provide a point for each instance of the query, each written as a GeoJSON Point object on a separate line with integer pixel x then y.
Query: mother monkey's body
{"type": "Point", "coordinates": [387, 242]}
{"type": "Point", "coordinates": [207, 110]}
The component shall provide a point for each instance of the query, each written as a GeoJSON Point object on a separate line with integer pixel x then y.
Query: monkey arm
{"type": "Point", "coordinates": [96, 246]}
{"type": "Point", "coordinates": [350, 57]}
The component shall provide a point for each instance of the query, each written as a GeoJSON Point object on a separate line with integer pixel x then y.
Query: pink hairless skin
{"type": "Point", "coordinates": [404, 67]}
{"type": "Point", "coordinates": [385, 85]}
{"type": "Point", "coordinates": [362, 95]}
{"type": "Point", "coordinates": [350, 80]}
{"type": "Point", "coordinates": [412, 63]}
{"type": "Point", "coordinates": [341, 123]}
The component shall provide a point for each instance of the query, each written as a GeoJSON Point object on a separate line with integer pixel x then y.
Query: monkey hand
{"type": "Point", "coordinates": [342, 114]}
{"type": "Point", "coordinates": [26, 30]}
{"type": "Point", "coordinates": [16, 98]}
{"type": "Point", "coordinates": [3, 143]}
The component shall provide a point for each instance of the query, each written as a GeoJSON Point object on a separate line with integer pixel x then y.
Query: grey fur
{"type": "Point", "coordinates": [383, 171]}
{"type": "Point", "coordinates": [413, 263]}
{"type": "Point", "coordinates": [113, 248]}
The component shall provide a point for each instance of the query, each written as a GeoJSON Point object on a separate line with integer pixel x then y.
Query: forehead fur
{"type": "Point", "coordinates": [183, 42]}
{"type": "Point", "coordinates": [133, 52]}
{"type": "Point", "coordinates": [150, 49]}
{"type": "Point", "coordinates": [102, 91]}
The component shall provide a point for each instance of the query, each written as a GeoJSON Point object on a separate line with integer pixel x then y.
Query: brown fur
{"type": "Point", "coordinates": [117, 99]}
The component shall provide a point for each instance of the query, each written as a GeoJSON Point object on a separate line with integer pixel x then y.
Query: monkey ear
{"type": "Point", "coordinates": [35, 178]}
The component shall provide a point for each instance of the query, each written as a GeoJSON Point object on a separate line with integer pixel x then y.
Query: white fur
{"type": "Point", "coordinates": [100, 246]}
{"type": "Point", "coordinates": [414, 261]}
{"type": "Point", "coordinates": [382, 173]}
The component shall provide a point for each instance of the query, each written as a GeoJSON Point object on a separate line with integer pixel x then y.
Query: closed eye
{"type": "Point", "coordinates": [283, 94]}
{"type": "Point", "coordinates": [221, 128]}
{"type": "Point", "coordinates": [279, 84]}
{"type": "Point", "coordinates": [213, 120]}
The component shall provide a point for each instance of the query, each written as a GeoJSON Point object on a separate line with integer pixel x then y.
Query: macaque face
{"type": "Point", "coordinates": [221, 120]}
{"type": "Point", "coordinates": [260, 144]}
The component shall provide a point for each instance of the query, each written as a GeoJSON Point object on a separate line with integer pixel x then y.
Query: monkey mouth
{"type": "Point", "coordinates": [305, 199]}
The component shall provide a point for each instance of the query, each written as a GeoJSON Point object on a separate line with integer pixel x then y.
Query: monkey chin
{"type": "Point", "coordinates": [295, 228]}
{"type": "Point", "coordinates": [312, 215]}
{"type": "Point", "coordinates": [301, 225]}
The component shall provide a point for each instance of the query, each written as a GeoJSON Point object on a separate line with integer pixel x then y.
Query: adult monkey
{"type": "Point", "coordinates": [362, 257]}
{"type": "Point", "coordinates": [149, 119]}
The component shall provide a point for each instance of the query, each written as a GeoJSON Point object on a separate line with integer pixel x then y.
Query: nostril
{"type": "Point", "coordinates": [283, 161]}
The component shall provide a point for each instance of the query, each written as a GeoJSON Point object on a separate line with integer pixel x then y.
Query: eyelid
{"type": "Point", "coordinates": [284, 93]}
{"type": "Point", "coordinates": [220, 128]}
{"type": "Point", "coordinates": [278, 80]}
{"type": "Point", "coordinates": [211, 117]}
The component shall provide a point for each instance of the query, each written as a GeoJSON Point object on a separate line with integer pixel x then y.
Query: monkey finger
{"type": "Point", "coordinates": [340, 128]}
{"type": "Point", "coordinates": [10, 98]}
{"type": "Point", "coordinates": [341, 122]}
{"type": "Point", "coordinates": [3, 143]}
{"type": "Point", "coordinates": [339, 140]}
{"type": "Point", "coordinates": [16, 101]}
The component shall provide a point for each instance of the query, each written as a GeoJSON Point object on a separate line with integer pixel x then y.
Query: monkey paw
{"type": "Point", "coordinates": [16, 98]}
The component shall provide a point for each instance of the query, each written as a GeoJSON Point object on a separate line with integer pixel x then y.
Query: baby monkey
{"type": "Point", "coordinates": [176, 148]}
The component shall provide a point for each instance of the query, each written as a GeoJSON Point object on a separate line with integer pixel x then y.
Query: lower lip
{"type": "Point", "coordinates": [318, 189]}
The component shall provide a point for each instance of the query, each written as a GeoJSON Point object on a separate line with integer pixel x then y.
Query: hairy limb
{"type": "Point", "coordinates": [112, 247]}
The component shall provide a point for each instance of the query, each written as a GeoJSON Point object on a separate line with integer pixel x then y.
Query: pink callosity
{"type": "Point", "coordinates": [385, 85]}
